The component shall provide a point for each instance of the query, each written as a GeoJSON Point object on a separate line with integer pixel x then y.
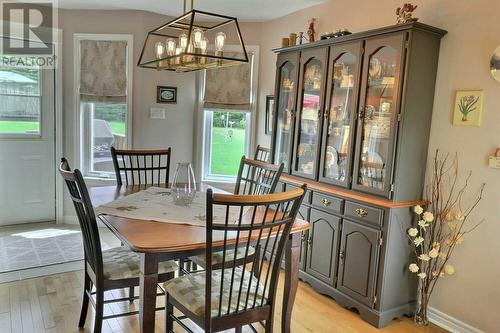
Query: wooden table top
{"type": "Point", "coordinates": [151, 236]}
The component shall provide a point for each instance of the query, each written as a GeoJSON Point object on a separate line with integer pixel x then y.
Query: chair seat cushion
{"type": "Point", "coordinates": [122, 263]}
{"type": "Point", "coordinates": [189, 290]}
{"type": "Point", "coordinates": [218, 256]}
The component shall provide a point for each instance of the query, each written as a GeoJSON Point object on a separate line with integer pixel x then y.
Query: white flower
{"type": "Point", "coordinates": [442, 255]}
{"type": "Point", "coordinates": [436, 245]}
{"type": "Point", "coordinates": [412, 232]}
{"type": "Point", "coordinates": [459, 216]}
{"type": "Point", "coordinates": [428, 217]}
{"type": "Point", "coordinates": [418, 241]}
{"type": "Point", "coordinates": [423, 224]}
{"type": "Point", "coordinates": [418, 209]}
{"type": "Point", "coordinates": [449, 216]}
{"type": "Point", "coordinates": [424, 257]}
{"type": "Point", "coordinates": [413, 268]}
{"type": "Point", "coordinates": [449, 269]}
{"type": "Point", "coordinates": [433, 253]}
{"type": "Point", "coordinates": [441, 274]}
{"type": "Point", "coordinates": [422, 275]}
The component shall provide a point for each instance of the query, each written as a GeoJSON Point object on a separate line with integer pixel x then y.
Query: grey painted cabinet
{"type": "Point", "coordinates": [359, 253]}
{"type": "Point", "coordinates": [352, 120]}
{"type": "Point", "coordinates": [303, 214]}
{"type": "Point", "coordinates": [323, 246]}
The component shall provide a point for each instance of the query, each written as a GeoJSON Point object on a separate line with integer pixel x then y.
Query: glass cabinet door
{"type": "Point", "coordinates": [378, 114]}
{"type": "Point", "coordinates": [286, 90]}
{"type": "Point", "coordinates": [308, 125]}
{"type": "Point", "coordinates": [340, 114]}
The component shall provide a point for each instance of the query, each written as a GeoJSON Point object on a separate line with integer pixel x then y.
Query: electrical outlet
{"type": "Point", "coordinates": [157, 113]}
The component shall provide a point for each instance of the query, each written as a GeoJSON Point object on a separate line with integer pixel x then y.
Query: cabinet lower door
{"type": "Point", "coordinates": [359, 251]}
{"type": "Point", "coordinates": [304, 215]}
{"type": "Point", "coordinates": [323, 246]}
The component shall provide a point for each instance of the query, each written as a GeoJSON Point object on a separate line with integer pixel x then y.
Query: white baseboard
{"type": "Point", "coordinates": [450, 323]}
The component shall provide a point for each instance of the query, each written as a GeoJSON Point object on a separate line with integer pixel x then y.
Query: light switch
{"type": "Point", "coordinates": [157, 113]}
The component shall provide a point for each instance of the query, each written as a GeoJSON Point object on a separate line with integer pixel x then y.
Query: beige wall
{"type": "Point", "coordinates": [178, 129]}
{"type": "Point", "coordinates": [473, 294]}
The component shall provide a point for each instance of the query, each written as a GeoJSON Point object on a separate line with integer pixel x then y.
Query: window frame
{"type": "Point", "coordinates": [206, 119]}
{"type": "Point", "coordinates": [82, 119]}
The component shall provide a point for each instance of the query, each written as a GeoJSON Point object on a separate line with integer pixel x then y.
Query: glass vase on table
{"type": "Point", "coordinates": [184, 184]}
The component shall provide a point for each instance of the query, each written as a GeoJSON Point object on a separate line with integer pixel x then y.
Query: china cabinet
{"type": "Point", "coordinates": [352, 120]}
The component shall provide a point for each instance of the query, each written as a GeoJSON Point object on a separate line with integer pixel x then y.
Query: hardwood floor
{"type": "Point", "coordinates": [51, 304]}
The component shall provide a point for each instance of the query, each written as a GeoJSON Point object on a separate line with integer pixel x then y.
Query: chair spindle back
{"type": "Point", "coordinates": [262, 154]}
{"type": "Point", "coordinates": [142, 167]}
{"type": "Point", "coordinates": [257, 177]}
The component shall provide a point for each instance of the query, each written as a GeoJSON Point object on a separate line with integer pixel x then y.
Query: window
{"type": "Point", "coordinates": [19, 100]}
{"type": "Point", "coordinates": [227, 116]}
{"type": "Point", "coordinates": [104, 76]}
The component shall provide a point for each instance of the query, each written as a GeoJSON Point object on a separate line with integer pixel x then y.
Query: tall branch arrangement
{"type": "Point", "coordinates": [442, 225]}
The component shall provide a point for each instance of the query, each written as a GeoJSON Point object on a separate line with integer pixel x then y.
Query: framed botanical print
{"type": "Point", "coordinates": [468, 108]}
{"type": "Point", "coordinates": [166, 94]}
{"type": "Point", "coordinates": [269, 113]}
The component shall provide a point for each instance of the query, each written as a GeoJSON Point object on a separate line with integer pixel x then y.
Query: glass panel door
{"type": "Point", "coordinates": [379, 114]}
{"type": "Point", "coordinates": [308, 121]}
{"type": "Point", "coordinates": [338, 131]}
{"type": "Point", "coordinates": [285, 93]}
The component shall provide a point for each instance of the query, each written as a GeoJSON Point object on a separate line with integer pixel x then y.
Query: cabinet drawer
{"type": "Point", "coordinates": [364, 213]}
{"type": "Point", "coordinates": [307, 197]}
{"type": "Point", "coordinates": [327, 202]}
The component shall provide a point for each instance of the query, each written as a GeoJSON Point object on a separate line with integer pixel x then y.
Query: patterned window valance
{"type": "Point", "coordinates": [103, 71]}
{"type": "Point", "coordinates": [228, 87]}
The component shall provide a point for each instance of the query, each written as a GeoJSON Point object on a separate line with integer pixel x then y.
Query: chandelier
{"type": "Point", "coordinates": [193, 41]}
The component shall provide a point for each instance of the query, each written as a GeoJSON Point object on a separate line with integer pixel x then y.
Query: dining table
{"type": "Point", "coordinates": [156, 241]}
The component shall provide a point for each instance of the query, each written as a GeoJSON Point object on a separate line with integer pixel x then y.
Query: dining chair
{"type": "Point", "coordinates": [262, 154]}
{"type": "Point", "coordinates": [142, 167]}
{"type": "Point", "coordinates": [233, 296]}
{"type": "Point", "coordinates": [116, 268]}
{"type": "Point", "coordinates": [254, 178]}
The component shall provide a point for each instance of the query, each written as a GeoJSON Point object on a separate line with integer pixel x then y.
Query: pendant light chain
{"type": "Point", "coordinates": [184, 11]}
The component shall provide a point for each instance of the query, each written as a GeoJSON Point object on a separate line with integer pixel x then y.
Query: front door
{"type": "Point", "coordinates": [27, 170]}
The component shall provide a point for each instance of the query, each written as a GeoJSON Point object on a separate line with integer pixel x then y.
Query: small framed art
{"type": "Point", "coordinates": [166, 94]}
{"type": "Point", "coordinates": [269, 114]}
{"type": "Point", "coordinates": [468, 108]}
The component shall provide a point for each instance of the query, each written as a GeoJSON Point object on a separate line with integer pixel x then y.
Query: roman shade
{"type": "Point", "coordinates": [228, 87]}
{"type": "Point", "coordinates": [103, 71]}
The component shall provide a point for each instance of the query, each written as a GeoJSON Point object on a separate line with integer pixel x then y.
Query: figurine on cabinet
{"type": "Point", "coordinates": [311, 31]}
{"type": "Point", "coordinates": [404, 14]}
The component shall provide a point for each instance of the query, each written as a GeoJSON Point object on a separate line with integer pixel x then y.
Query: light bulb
{"type": "Point", "coordinates": [197, 37]}
{"type": "Point", "coordinates": [220, 39]}
{"type": "Point", "coordinates": [204, 45]}
{"type": "Point", "coordinates": [183, 40]}
{"type": "Point", "coordinates": [170, 44]}
{"type": "Point", "coordinates": [159, 49]}
{"type": "Point", "coordinates": [178, 51]}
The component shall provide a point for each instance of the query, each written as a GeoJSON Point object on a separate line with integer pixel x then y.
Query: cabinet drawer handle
{"type": "Point", "coordinates": [326, 202]}
{"type": "Point", "coordinates": [361, 212]}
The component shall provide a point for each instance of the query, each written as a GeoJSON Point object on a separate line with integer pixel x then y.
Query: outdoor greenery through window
{"type": "Point", "coordinates": [228, 138]}
{"type": "Point", "coordinates": [106, 123]}
{"type": "Point", "coordinates": [19, 101]}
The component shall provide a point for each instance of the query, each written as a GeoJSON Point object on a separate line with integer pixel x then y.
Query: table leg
{"type": "Point", "coordinates": [148, 280]}
{"type": "Point", "coordinates": [292, 252]}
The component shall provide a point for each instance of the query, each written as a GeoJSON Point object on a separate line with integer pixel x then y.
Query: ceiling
{"type": "Point", "coordinates": [244, 10]}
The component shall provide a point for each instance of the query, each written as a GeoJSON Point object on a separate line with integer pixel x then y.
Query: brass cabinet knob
{"type": "Point", "coordinates": [361, 212]}
{"type": "Point", "coordinates": [341, 256]}
{"type": "Point", "coordinates": [303, 238]}
{"type": "Point", "coordinates": [309, 240]}
{"type": "Point", "coordinates": [326, 202]}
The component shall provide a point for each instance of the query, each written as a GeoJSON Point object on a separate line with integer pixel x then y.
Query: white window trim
{"type": "Point", "coordinates": [78, 116]}
{"type": "Point", "coordinates": [202, 159]}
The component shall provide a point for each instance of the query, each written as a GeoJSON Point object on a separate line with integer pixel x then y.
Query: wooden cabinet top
{"type": "Point", "coordinates": [365, 34]}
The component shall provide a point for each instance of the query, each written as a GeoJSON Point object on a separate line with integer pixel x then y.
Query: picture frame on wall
{"type": "Point", "coordinates": [468, 108]}
{"type": "Point", "coordinates": [269, 114]}
{"type": "Point", "coordinates": [165, 95]}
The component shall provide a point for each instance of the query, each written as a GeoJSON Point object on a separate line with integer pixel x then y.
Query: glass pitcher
{"type": "Point", "coordinates": [184, 184]}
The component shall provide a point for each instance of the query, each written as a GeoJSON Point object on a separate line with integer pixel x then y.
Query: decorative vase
{"type": "Point", "coordinates": [184, 184]}
{"type": "Point", "coordinates": [421, 317]}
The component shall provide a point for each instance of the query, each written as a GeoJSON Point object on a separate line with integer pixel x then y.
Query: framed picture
{"type": "Point", "coordinates": [468, 108]}
{"type": "Point", "coordinates": [166, 94]}
{"type": "Point", "coordinates": [269, 113]}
